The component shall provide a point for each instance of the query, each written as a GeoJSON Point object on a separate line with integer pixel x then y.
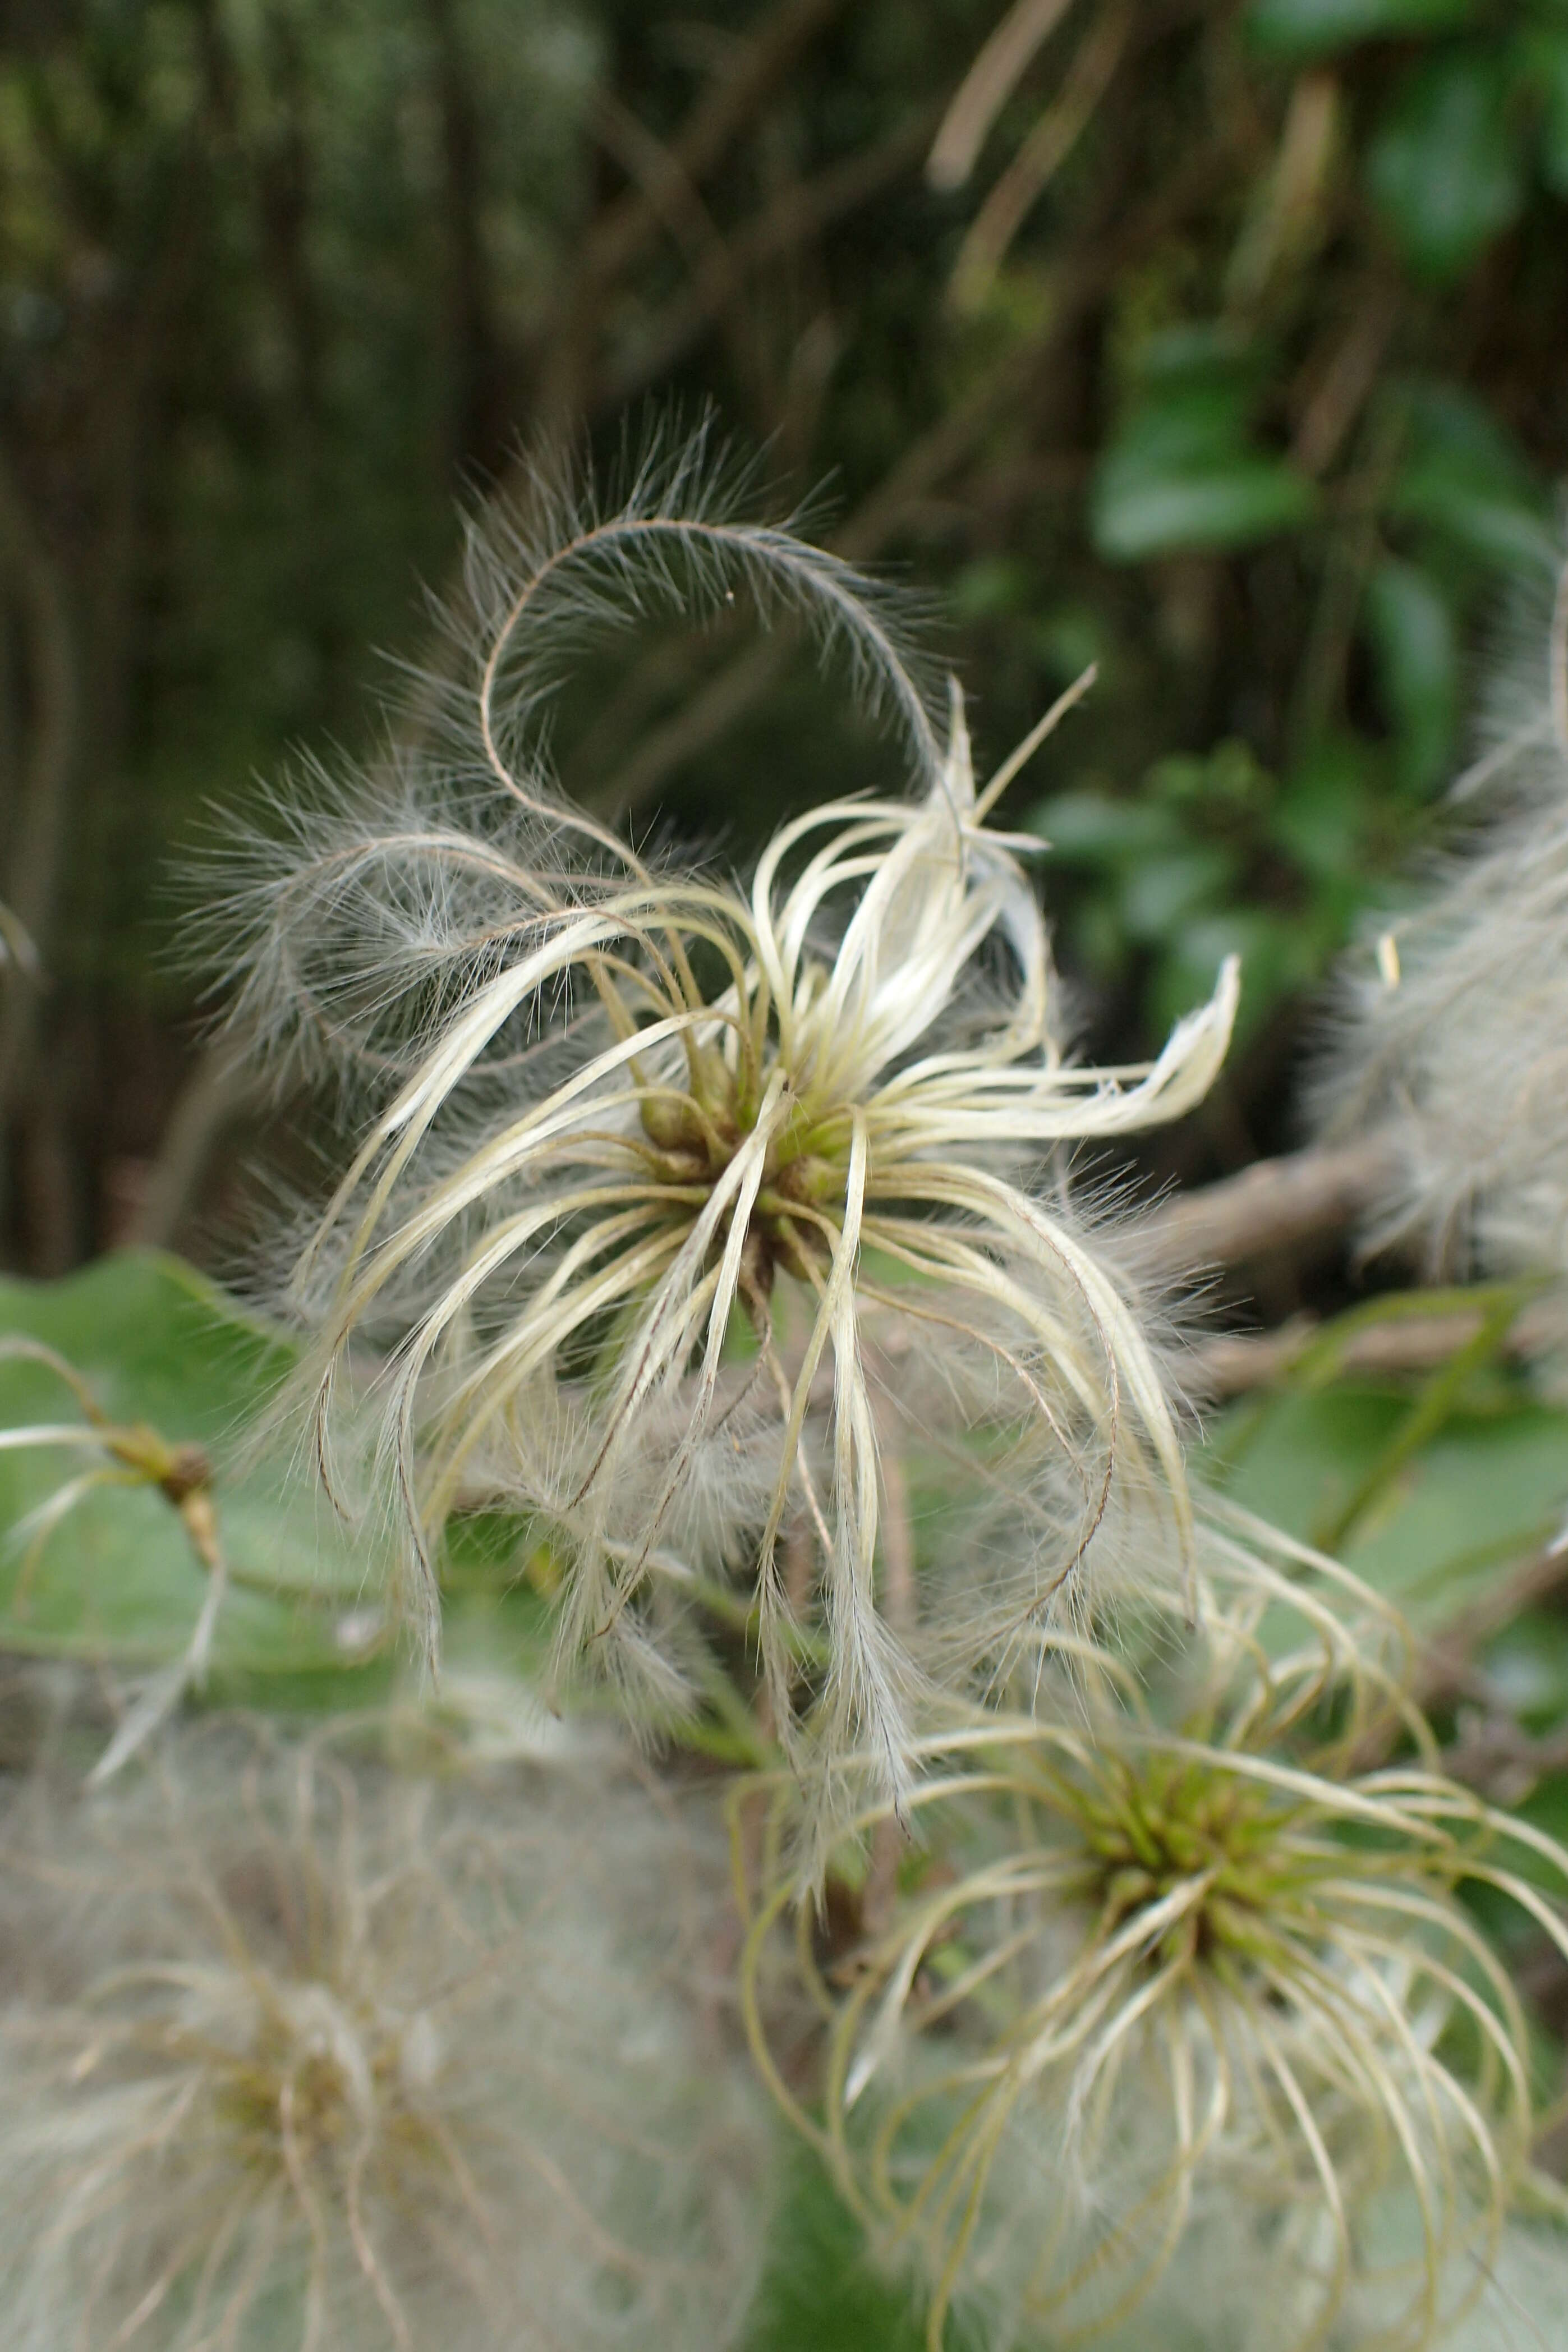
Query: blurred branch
{"type": "Point", "coordinates": [479, 419]}
{"type": "Point", "coordinates": [1398, 1349]}
{"type": "Point", "coordinates": [54, 698]}
{"type": "Point", "coordinates": [888, 507]}
{"type": "Point", "coordinates": [701, 721]}
{"type": "Point", "coordinates": [986, 89]}
{"type": "Point", "coordinates": [714, 122]}
{"type": "Point", "coordinates": [1352, 552]}
{"type": "Point", "coordinates": [671, 195]}
{"type": "Point", "coordinates": [1347, 382]}
{"type": "Point", "coordinates": [1271, 1206]}
{"type": "Point", "coordinates": [217, 1089]}
{"type": "Point", "coordinates": [16, 946]}
{"type": "Point", "coordinates": [625, 228]}
{"type": "Point", "coordinates": [1043, 152]}
{"type": "Point", "coordinates": [1290, 213]}
{"type": "Point", "coordinates": [800, 211]}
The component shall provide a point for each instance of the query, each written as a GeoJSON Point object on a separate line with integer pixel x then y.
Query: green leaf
{"type": "Point", "coordinates": [1204, 360]}
{"type": "Point", "coordinates": [1445, 423]}
{"type": "Point", "coordinates": [1229, 785]}
{"type": "Point", "coordinates": [1415, 656]}
{"type": "Point", "coordinates": [1447, 169]}
{"type": "Point", "coordinates": [1488, 1488]}
{"type": "Point", "coordinates": [1498, 531]}
{"type": "Point", "coordinates": [1322, 812]}
{"type": "Point", "coordinates": [1140, 512]}
{"type": "Point", "coordinates": [1464, 478]}
{"type": "Point", "coordinates": [1092, 829]}
{"type": "Point", "coordinates": [1277, 955]}
{"type": "Point", "coordinates": [1314, 27]}
{"type": "Point", "coordinates": [1098, 937]}
{"type": "Point", "coordinates": [1162, 894]}
{"type": "Point", "coordinates": [1180, 472]}
{"type": "Point", "coordinates": [820, 2293]}
{"type": "Point", "coordinates": [117, 1577]}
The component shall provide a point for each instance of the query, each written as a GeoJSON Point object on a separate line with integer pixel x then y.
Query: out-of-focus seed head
{"type": "Point", "coordinates": [1177, 1948]}
{"type": "Point", "coordinates": [301, 2056]}
{"type": "Point", "coordinates": [1454, 1037]}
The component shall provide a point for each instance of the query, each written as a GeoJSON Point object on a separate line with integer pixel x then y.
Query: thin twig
{"type": "Point", "coordinates": [1038, 161]}
{"type": "Point", "coordinates": [986, 89]}
{"type": "Point", "coordinates": [797, 213]}
{"type": "Point", "coordinates": [1235, 1362]}
{"type": "Point", "coordinates": [1273, 1205]}
{"type": "Point", "coordinates": [624, 230]}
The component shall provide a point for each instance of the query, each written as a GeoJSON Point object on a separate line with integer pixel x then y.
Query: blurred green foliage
{"type": "Point", "coordinates": [1438, 1489]}
{"type": "Point", "coordinates": [1183, 472]}
{"type": "Point", "coordinates": [1260, 404]}
{"type": "Point", "coordinates": [820, 2290]}
{"type": "Point", "coordinates": [1427, 1489]}
{"type": "Point", "coordinates": [116, 1578]}
{"type": "Point", "coordinates": [307, 1619]}
{"type": "Point", "coordinates": [1255, 396]}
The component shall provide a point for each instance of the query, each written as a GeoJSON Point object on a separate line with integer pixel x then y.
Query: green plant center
{"type": "Point", "coordinates": [1170, 1828]}
{"type": "Point", "coordinates": [695, 1134]}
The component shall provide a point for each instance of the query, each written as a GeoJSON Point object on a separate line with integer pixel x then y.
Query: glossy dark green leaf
{"type": "Point", "coordinates": [1447, 166]}
{"type": "Point", "coordinates": [1415, 655]}
{"type": "Point", "coordinates": [1315, 27]}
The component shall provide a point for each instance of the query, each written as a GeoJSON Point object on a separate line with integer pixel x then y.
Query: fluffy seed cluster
{"type": "Point", "coordinates": [1242, 2281]}
{"type": "Point", "coordinates": [648, 1155]}
{"type": "Point", "coordinates": [1459, 1042]}
{"type": "Point", "coordinates": [1171, 1964]}
{"type": "Point", "coordinates": [296, 2055]}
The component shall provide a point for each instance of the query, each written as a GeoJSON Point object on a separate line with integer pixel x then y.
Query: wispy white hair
{"type": "Point", "coordinates": [624, 1125]}
{"type": "Point", "coordinates": [1173, 1947]}
{"type": "Point", "coordinates": [1458, 1039]}
{"type": "Point", "coordinates": [298, 2055]}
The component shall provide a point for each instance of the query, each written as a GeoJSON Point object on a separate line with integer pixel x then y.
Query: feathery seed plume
{"type": "Point", "coordinates": [646, 1151]}
{"type": "Point", "coordinates": [1169, 1956]}
{"type": "Point", "coordinates": [1459, 1041]}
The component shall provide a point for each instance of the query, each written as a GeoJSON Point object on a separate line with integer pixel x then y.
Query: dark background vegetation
{"type": "Point", "coordinates": [1236, 362]}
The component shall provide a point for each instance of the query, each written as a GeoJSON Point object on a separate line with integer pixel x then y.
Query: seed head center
{"type": "Point", "coordinates": [1169, 1827]}
{"type": "Point", "coordinates": [696, 1133]}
